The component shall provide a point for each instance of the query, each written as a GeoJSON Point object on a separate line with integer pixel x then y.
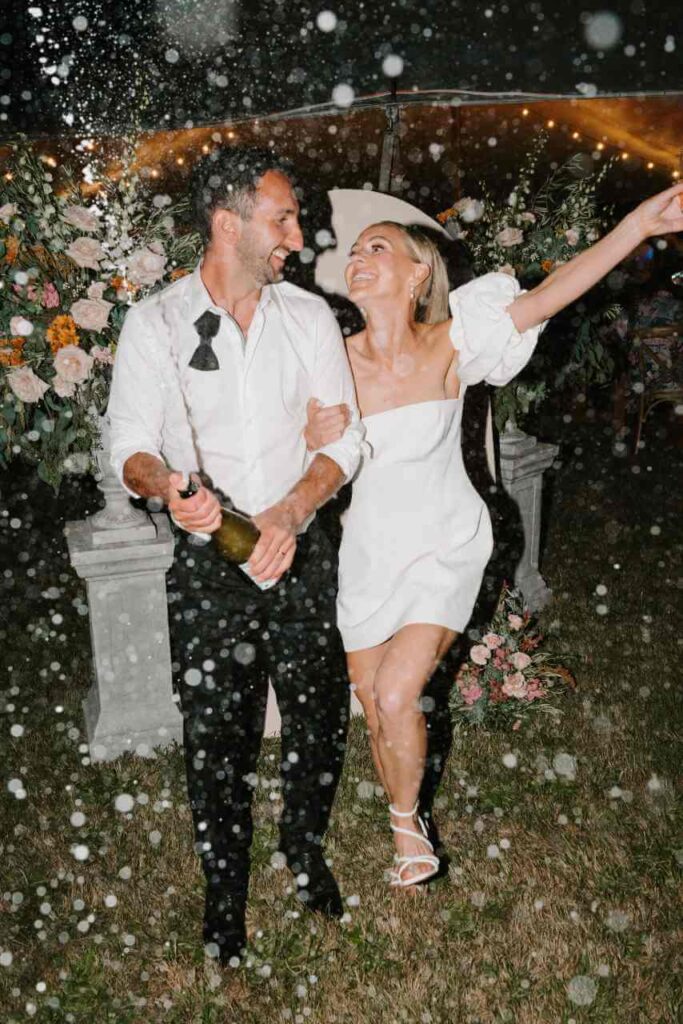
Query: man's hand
{"type": "Point", "coordinates": [276, 547]}
{"type": "Point", "coordinates": [199, 514]}
{"type": "Point", "coordinates": [325, 424]}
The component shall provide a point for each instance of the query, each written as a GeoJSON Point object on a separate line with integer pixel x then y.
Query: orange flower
{"type": "Point", "coordinates": [547, 265]}
{"type": "Point", "coordinates": [121, 282]}
{"type": "Point", "coordinates": [178, 273]}
{"type": "Point", "coordinates": [10, 351]}
{"type": "Point", "coordinates": [61, 332]}
{"type": "Point", "coordinates": [443, 217]}
{"type": "Point", "coordinates": [11, 248]}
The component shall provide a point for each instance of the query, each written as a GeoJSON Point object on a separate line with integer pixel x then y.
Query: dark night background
{"type": "Point", "coordinates": [163, 63]}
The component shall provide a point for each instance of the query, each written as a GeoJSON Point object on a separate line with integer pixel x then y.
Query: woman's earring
{"type": "Point", "coordinates": [412, 293]}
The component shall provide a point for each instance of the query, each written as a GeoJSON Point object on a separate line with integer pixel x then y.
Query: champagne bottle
{"type": "Point", "coordinates": [235, 538]}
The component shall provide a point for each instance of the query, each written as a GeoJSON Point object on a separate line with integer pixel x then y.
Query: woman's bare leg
{"type": "Point", "coordinates": [362, 667]}
{"type": "Point", "coordinates": [408, 660]}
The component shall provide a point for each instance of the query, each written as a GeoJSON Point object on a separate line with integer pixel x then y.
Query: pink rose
{"type": "Point", "coordinates": [146, 266]}
{"type": "Point", "coordinates": [515, 686]}
{"type": "Point", "coordinates": [528, 216]}
{"type": "Point", "coordinates": [480, 654]}
{"type": "Point", "coordinates": [82, 218]}
{"type": "Point", "coordinates": [492, 640]}
{"type": "Point", "coordinates": [20, 326]}
{"type": "Point", "coordinates": [102, 355]}
{"type": "Point", "coordinates": [64, 388]}
{"type": "Point", "coordinates": [86, 252]}
{"type": "Point", "coordinates": [472, 694]}
{"type": "Point", "coordinates": [96, 290]}
{"type": "Point", "coordinates": [73, 364]}
{"type": "Point", "coordinates": [91, 314]}
{"type": "Point", "coordinates": [50, 296]}
{"type": "Point", "coordinates": [572, 236]}
{"type": "Point", "coordinates": [509, 237]}
{"type": "Point", "coordinates": [520, 660]}
{"type": "Point", "coordinates": [25, 385]}
{"type": "Point", "coordinates": [515, 621]}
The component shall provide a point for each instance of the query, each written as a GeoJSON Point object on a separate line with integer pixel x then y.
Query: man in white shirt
{"type": "Point", "coordinates": [213, 375]}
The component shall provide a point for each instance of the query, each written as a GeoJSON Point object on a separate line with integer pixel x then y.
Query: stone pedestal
{"type": "Point", "coordinates": [523, 460]}
{"type": "Point", "coordinates": [130, 706]}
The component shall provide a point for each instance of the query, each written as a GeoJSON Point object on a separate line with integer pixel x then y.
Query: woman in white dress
{"type": "Point", "coordinates": [417, 536]}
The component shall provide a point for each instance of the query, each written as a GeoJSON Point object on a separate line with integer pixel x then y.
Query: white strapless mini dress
{"type": "Point", "coordinates": [417, 536]}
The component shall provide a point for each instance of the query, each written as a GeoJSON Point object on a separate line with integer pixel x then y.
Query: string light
{"type": "Point", "coordinates": [575, 135]}
{"type": "Point", "coordinates": [650, 166]}
{"type": "Point", "coordinates": [600, 146]}
{"type": "Point", "coordinates": [676, 174]}
{"type": "Point", "coordinates": [525, 112]}
{"type": "Point", "coordinates": [231, 135]}
{"type": "Point", "coordinates": [551, 124]}
{"type": "Point", "coordinates": [624, 156]}
{"type": "Point", "coordinates": [205, 148]}
{"type": "Point", "coordinates": [180, 160]}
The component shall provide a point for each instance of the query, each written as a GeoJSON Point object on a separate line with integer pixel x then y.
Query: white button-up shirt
{"type": "Point", "coordinates": [243, 423]}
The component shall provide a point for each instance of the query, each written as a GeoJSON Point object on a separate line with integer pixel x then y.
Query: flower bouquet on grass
{"type": "Point", "coordinates": [509, 674]}
{"type": "Point", "coordinates": [69, 269]}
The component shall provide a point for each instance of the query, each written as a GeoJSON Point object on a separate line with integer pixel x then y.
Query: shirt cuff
{"type": "Point", "coordinates": [347, 458]}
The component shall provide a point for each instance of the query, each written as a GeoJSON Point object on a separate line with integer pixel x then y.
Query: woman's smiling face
{"type": "Point", "coordinates": [380, 266]}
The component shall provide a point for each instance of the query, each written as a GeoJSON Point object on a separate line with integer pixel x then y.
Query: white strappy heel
{"type": "Point", "coordinates": [420, 858]}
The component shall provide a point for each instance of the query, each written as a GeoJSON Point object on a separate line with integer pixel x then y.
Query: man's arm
{"type": "Point", "coordinates": [274, 553]}
{"type": "Point", "coordinates": [332, 384]}
{"type": "Point", "coordinates": [136, 415]}
{"type": "Point", "coordinates": [658, 215]}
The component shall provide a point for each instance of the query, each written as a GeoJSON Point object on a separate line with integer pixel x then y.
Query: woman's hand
{"type": "Point", "coordinates": [325, 424]}
{"type": "Point", "coordinates": [660, 214]}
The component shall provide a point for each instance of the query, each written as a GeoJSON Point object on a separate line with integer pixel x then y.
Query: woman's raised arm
{"type": "Point", "coordinates": [659, 215]}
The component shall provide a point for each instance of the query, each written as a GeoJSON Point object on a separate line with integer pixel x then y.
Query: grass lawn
{"type": "Point", "coordinates": [563, 900]}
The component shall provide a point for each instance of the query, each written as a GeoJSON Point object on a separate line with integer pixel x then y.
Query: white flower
{"type": "Point", "coordinates": [512, 199]}
{"type": "Point", "coordinates": [91, 314]}
{"type": "Point", "coordinates": [86, 252]}
{"type": "Point", "coordinates": [73, 364]}
{"type": "Point", "coordinates": [509, 237]}
{"type": "Point", "coordinates": [572, 236]}
{"type": "Point", "coordinates": [64, 388]}
{"type": "Point", "coordinates": [96, 290]}
{"type": "Point", "coordinates": [146, 266]}
{"type": "Point", "coordinates": [8, 211]}
{"type": "Point", "coordinates": [469, 209]}
{"type": "Point", "coordinates": [20, 326]}
{"type": "Point", "coordinates": [82, 218]}
{"type": "Point", "coordinates": [26, 385]}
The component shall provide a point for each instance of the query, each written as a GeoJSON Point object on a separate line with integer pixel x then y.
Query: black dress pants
{"type": "Point", "coordinates": [228, 638]}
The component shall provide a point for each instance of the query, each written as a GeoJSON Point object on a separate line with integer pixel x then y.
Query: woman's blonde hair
{"type": "Point", "coordinates": [431, 296]}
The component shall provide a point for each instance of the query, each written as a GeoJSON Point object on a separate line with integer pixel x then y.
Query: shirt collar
{"type": "Point", "coordinates": [198, 299]}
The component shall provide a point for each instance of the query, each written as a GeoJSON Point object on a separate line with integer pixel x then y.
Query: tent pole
{"type": "Point", "coordinates": [390, 141]}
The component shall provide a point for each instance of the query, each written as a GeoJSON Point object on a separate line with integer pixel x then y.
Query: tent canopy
{"type": "Point", "coordinates": [98, 67]}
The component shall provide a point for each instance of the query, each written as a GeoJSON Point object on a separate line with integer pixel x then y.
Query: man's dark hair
{"type": "Point", "coordinates": [226, 179]}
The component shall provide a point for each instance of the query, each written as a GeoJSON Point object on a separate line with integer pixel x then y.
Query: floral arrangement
{"type": "Point", "coordinates": [528, 234]}
{"type": "Point", "coordinates": [69, 269]}
{"type": "Point", "coordinates": [508, 674]}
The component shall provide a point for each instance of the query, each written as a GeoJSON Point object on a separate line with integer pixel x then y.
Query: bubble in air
{"type": "Point", "coordinates": [326, 21]}
{"type": "Point", "coordinates": [392, 65]}
{"type": "Point", "coordinates": [603, 30]}
{"type": "Point", "coordinates": [343, 95]}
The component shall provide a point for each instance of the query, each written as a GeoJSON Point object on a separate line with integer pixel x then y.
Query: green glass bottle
{"type": "Point", "coordinates": [237, 535]}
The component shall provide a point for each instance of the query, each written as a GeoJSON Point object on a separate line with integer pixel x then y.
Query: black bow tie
{"type": "Point", "coordinates": [204, 357]}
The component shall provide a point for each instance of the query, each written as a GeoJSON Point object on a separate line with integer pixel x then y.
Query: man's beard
{"type": "Point", "coordinates": [260, 267]}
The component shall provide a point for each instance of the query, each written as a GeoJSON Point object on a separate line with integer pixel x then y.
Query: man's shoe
{"type": "Point", "coordinates": [315, 883]}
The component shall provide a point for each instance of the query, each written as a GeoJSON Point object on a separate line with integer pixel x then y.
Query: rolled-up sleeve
{"type": "Point", "coordinates": [136, 406]}
{"type": "Point", "coordinates": [333, 385]}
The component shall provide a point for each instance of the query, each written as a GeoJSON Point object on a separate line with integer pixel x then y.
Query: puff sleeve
{"type": "Point", "coordinates": [489, 345]}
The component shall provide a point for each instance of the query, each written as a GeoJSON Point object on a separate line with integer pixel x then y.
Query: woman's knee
{"type": "Point", "coordinates": [394, 703]}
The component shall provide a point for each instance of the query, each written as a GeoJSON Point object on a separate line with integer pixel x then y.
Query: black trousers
{"type": "Point", "coordinates": [228, 637]}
